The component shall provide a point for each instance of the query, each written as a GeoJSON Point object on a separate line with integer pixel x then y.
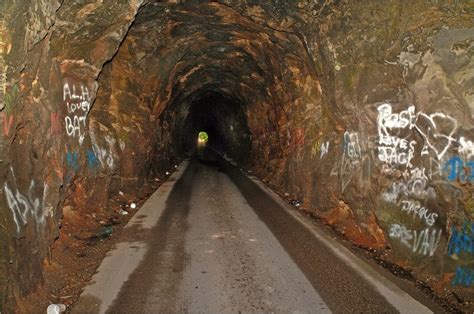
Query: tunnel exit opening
{"type": "Point", "coordinates": [212, 120]}
{"type": "Point", "coordinates": [202, 139]}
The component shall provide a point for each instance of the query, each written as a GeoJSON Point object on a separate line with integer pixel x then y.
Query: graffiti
{"type": "Point", "coordinates": [388, 120]}
{"type": "Point", "coordinates": [319, 148]}
{"type": "Point", "coordinates": [422, 242]}
{"type": "Point", "coordinates": [78, 106]}
{"type": "Point", "coordinates": [456, 168]}
{"type": "Point", "coordinates": [438, 142]}
{"type": "Point", "coordinates": [463, 277]}
{"type": "Point", "coordinates": [416, 181]}
{"type": "Point", "coordinates": [345, 174]}
{"type": "Point", "coordinates": [92, 160]}
{"type": "Point", "coordinates": [104, 156]}
{"type": "Point", "coordinates": [461, 240]}
{"type": "Point", "coordinates": [393, 149]}
{"type": "Point", "coordinates": [55, 124]}
{"type": "Point", "coordinates": [351, 145]}
{"type": "Point", "coordinates": [397, 150]}
{"type": "Point", "coordinates": [413, 184]}
{"type": "Point", "coordinates": [7, 123]}
{"type": "Point", "coordinates": [415, 208]}
{"type": "Point", "coordinates": [466, 148]}
{"type": "Point", "coordinates": [354, 164]}
{"type": "Point", "coordinates": [393, 193]}
{"type": "Point", "coordinates": [72, 163]}
{"type": "Point", "coordinates": [350, 158]}
{"type": "Point", "coordinates": [74, 126]}
{"type": "Point", "coordinates": [23, 205]}
{"type": "Point", "coordinates": [435, 169]}
{"type": "Point", "coordinates": [324, 149]}
{"type": "Point", "coordinates": [72, 159]}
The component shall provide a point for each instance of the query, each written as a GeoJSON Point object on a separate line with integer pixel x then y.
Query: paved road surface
{"type": "Point", "coordinates": [215, 242]}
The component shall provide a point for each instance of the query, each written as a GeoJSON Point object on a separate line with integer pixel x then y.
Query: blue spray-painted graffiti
{"type": "Point", "coordinates": [72, 162]}
{"type": "Point", "coordinates": [92, 160]}
{"type": "Point", "coordinates": [72, 159]}
{"type": "Point", "coordinates": [455, 168]}
{"type": "Point", "coordinates": [462, 240]}
{"type": "Point", "coordinates": [463, 277]}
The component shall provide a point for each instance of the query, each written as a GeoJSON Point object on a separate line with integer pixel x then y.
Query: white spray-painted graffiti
{"type": "Point", "coordinates": [413, 183]}
{"type": "Point", "coordinates": [423, 242]}
{"type": "Point", "coordinates": [436, 140]}
{"type": "Point", "coordinates": [399, 151]}
{"type": "Point", "coordinates": [417, 209]}
{"type": "Point", "coordinates": [393, 149]}
{"type": "Point", "coordinates": [354, 164]}
{"type": "Point", "coordinates": [351, 145]}
{"type": "Point", "coordinates": [324, 149]}
{"type": "Point", "coordinates": [396, 148]}
{"type": "Point", "coordinates": [466, 148]}
{"type": "Point", "coordinates": [104, 155]}
{"type": "Point", "coordinates": [24, 205]}
{"type": "Point", "coordinates": [77, 101]}
{"type": "Point", "coordinates": [401, 135]}
{"type": "Point", "coordinates": [350, 158]}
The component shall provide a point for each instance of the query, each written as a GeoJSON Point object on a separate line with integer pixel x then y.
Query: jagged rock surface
{"type": "Point", "coordinates": [362, 111]}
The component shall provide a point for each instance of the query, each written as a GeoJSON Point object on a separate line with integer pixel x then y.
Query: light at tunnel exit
{"type": "Point", "coordinates": [202, 138]}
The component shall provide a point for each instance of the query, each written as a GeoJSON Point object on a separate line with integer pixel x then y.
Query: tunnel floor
{"type": "Point", "coordinates": [222, 244]}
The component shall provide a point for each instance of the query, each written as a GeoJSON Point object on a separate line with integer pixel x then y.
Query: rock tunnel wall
{"type": "Point", "coordinates": [361, 111]}
{"type": "Point", "coordinates": [403, 87]}
{"type": "Point", "coordinates": [52, 54]}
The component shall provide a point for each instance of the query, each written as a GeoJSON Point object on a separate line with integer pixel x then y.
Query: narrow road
{"type": "Point", "coordinates": [215, 242]}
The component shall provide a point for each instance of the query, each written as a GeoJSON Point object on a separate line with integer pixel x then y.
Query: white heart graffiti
{"type": "Point", "coordinates": [430, 134]}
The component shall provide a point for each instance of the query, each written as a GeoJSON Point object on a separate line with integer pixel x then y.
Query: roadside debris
{"type": "Point", "coordinates": [123, 212]}
{"type": "Point", "coordinates": [106, 231]}
{"type": "Point", "coordinates": [133, 206]}
{"type": "Point", "coordinates": [295, 202]}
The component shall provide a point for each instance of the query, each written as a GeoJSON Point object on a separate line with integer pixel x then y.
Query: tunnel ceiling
{"type": "Point", "coordinates": [362, 111]}
{"type": "Point", "coordinates": [213, 47]}
{"type": "Point", "coordinates": [175, 53]}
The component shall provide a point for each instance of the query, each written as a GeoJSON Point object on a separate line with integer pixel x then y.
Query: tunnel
{"type": "Point", "coordinates": [359, 116]}
{"type": "Point", "coordinates": [222, 118]}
